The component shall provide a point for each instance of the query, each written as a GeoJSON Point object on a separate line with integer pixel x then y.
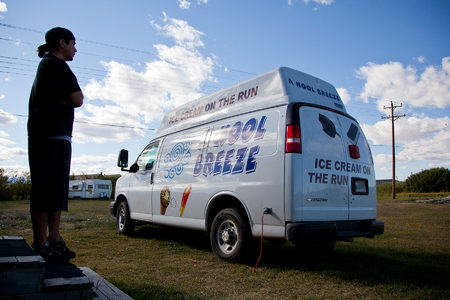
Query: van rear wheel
{"type": "Point", "coordinates": [124, 224]}
{"type": "Point", "coordinates": [230, 236]}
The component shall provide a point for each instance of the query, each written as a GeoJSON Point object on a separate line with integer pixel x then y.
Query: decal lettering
{"type": "Point", "coordinates": [231, 161]}
{"type": "Point", "coordinates": [227, 163]}
{"type": "Point", "coordinates": [251, 162]}
{"type": "Point", "coordinates": [321, 165]}
{"type": "Point", "coordinates": [239, 165]}
{"type": "Point", "coordinates": [214, 105]}
{"type": "Point", "coordinates": [311, 89]}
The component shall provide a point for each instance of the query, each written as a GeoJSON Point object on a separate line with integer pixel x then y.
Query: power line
{"type": "Point", "coordinates": [86, 122]}
{"type": "Point", "coordinates": [100, 44]}
{"type": "Point", "coordinates": [83, 40]}
{"type": "Point", "coordinates": [136, 84]}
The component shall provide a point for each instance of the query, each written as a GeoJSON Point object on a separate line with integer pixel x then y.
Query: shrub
{"type": "Point", "coordinates": [17, 187]}
{"type": "Point", "coordinates": [431, 180]}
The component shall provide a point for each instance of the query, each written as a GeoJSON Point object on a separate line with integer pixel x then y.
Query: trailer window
{"type": "Point", "coordinates": [103, 186]}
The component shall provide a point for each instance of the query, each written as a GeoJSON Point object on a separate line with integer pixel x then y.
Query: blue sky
{"type": "Point", "coordinates": [137, 59]}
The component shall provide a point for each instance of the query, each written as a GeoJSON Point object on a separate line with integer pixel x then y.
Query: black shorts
{"type": "Point", "coordinates": [49, 170]}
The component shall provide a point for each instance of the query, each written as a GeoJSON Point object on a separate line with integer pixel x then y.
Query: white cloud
{"type": "Point", "coordinates": [10, 153]}
{"type": "Point", "coordinates": [3, 7]}
{"type": "Point", "coordinates": [183, 34]}
{"type": "Point", "coordinates": [138, 98]}
{"type": "Point", "coordinates": [91, 164]}
{"type": "Point", "coordinates": [14, 170]}
{"type": "Point", "coordinates": [344, 94]}
{"type": "Point", "coordinates": [184, 4]}
{"type": "Point", "coordinates": [323, 2]}
{"type": "Point", "coordinates": [2, 96]}
{"type": "Point", "coordinates": [421, 59]}
{"type": "Point", "coordinates": [4, 141]}
{"type": "Point", "coordinates": [3, 134]}
{"type": "Point", "coordinates": [416, 138]}
{"type": "Point", "coordinates": [6, 118]}
{"type": "Point", "coordinates": [406, 129]}
{"type": "Point", "coordinates": [320, 2]}
{"type": "Point", "coordinates": [394, 82]}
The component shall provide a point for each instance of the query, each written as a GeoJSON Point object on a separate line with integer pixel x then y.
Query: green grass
{"type": "Point", "coordinates": [410, 261]}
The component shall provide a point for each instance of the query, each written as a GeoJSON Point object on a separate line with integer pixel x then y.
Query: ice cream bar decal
{"type": "Point", "coordinates": [184, 199]}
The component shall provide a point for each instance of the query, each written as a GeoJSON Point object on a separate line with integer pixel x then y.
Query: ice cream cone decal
{"type": "Point", "coordinates": [164, 200]}
{"type": "Point", "coordinates": [184, 199]}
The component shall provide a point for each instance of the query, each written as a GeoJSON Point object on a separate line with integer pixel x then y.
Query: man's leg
{"type": "Point", "coordinates": [53, 226]}
{"type": "Point", "coordinates": [39, 221]}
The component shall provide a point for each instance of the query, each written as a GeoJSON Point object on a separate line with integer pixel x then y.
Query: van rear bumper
{"type": "Point", "coordinates": [336, 230]}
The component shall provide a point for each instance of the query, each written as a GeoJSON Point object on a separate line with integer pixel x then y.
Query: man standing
{"type": "Point", "coordinates": [54, 95]}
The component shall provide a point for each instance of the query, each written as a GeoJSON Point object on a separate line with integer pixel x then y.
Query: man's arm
{"type": "Point", "coordinates": [76, 98]}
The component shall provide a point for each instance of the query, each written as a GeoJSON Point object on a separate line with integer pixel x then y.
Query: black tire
{"type": "Point", "coordinates": [230, 235]}
{"type": "Point", "coordinates": [124, 224]}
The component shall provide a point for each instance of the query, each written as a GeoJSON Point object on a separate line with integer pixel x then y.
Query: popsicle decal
{"type": "Point", "coordinates": [184, 199]}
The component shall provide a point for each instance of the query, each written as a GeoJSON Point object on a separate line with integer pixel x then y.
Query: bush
{"type": "Point", "coordinates": [5, 193]}
{"type": "Point", "coordinates": [386, 187]}
{"type": "Point", "coordinates": [17, 187]}
{"type": "Point", "coordinates": [428, 181]}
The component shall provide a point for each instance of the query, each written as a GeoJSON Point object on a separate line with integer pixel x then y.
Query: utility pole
{"type": "Point", "coordinates": [393, 118]}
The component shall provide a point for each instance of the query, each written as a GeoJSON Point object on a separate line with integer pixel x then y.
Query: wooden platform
{"type": "Point", "coordinates": [25, 275]}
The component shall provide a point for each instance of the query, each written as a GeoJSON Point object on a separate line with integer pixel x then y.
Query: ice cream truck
{"type": "Point", "coordinates": [275, 157]}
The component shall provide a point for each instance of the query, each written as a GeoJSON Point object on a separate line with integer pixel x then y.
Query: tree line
{"type": "Point", "coordinates": [18, 186]}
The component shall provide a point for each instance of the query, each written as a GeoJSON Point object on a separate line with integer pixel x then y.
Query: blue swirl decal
{"type": "Point", "coordinates": [176, 159]}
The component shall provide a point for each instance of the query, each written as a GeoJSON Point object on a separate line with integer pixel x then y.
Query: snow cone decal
{"type": "Point", "coordinates": [184, 199]}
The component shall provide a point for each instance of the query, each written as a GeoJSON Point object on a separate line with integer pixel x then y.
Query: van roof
{"type": "Point", "coordinates": [280, 86]}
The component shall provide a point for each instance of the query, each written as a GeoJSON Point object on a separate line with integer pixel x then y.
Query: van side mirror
{"type": "Point", "coordinates": [134, 168]}
{"type": "Point", "coordinates": [122, 160]}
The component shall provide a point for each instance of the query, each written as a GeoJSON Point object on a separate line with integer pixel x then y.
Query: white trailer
{"type": "Point", "coordinates": [90, 189]}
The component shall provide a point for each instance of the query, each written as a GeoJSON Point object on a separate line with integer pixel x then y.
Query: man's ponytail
{"type": "Point", "coordinates": [43, 49]}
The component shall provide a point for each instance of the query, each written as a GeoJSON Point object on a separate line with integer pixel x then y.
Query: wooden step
{"type": "Point", "coordinates": [21, 269]}
{"type": "Point", "coordinates": [25, 275]}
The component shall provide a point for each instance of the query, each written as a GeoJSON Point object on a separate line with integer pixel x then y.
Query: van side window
{"type": "Point", "coordinates": [147, 157]}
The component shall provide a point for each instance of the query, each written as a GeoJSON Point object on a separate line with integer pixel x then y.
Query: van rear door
{"type": "Point", "coordinates": [325, 194]}
{"type": "Point", "coordinates": [359, 166]}
{"type": "Point", "coordinates": [338, 181]}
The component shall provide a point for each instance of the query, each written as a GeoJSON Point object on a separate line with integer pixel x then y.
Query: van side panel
{"type": "Point", "coordinates": [241, 156]}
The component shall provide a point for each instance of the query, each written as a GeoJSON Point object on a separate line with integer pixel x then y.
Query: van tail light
{"type": "Point", "coordinates": [293, 141]}
{"type": "Point", "coordinates": [354, 151]}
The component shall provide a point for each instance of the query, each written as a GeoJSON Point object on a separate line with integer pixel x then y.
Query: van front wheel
{"type": "Point", "coordinates": [230, 235]}
{"type": "Point", "coordinates": [125, 225]}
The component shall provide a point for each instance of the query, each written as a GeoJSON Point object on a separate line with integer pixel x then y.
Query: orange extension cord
{"type": "Point", "coordinates": [260, 249]}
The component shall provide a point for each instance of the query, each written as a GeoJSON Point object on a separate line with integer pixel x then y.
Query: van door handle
{"type": "Point", "coordinates": [151, 178]}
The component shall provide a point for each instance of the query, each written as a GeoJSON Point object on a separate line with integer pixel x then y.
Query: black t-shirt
{"type": "Point", "coordinates": [47, 113]}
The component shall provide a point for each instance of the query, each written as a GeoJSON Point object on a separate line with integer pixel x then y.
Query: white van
{"type": "Point", "coordinates": [276, 154]}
